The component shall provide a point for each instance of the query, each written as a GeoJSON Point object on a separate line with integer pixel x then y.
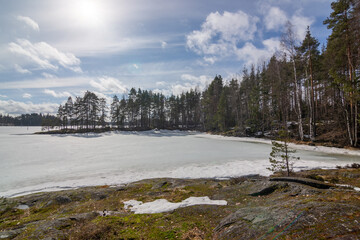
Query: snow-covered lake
{"type": "Point", "coordinates": [31, 163]}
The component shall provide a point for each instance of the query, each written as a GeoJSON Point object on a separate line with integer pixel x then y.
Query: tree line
{"type": "Point", "coordinates": [86, 112]}
{"type": "Point", "coordinates": [33, 119]}
{"type": "Point", "coordinates": [309, 89]}
{"type": "Point", "coordinates": [139, 109]}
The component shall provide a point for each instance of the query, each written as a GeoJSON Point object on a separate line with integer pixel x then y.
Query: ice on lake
{"type": "Point", "coordinates": [31, 163]}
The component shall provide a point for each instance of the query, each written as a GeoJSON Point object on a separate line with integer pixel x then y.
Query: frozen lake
{"type": "Point", "coordinates": [31, 163]}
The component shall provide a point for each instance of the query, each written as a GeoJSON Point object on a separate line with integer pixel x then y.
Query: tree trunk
{"type": "Point", "coordinates": [353, 109]}
{"type": "Point", "coordinates": [287, 158]}
{"type": "Point", "coordinates": [348, 127]}
{"type": "Point", "coordinates": [312, 122]}
{"type": "Point", "coordinates": [356, 125]}
{"type": "Point", "coordinates": [298, 103]}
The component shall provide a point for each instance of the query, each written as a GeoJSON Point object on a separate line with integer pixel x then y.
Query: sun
{"type": "Point", "coordinates": [88, 13]}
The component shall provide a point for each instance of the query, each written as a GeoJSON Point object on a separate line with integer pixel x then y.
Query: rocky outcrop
{"type": "Point", "coordinates": [303, 219]}
{"type": "Point", "coordinates": [258, 208]}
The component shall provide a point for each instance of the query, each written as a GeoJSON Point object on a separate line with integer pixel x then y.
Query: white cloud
{"type": "Point", "coordinates": [166, 92]}
{"type": "Point", "coordinates": [201, 81]}
{"type": "Point", "coordinates": [109, 85]}
{"type": "Point", "coordinates": [190, 82]}
{"type": "Point", "coordinates": [136, 66]}
{"type": "Point", "coordinates": [272, 44]}
{"type": "Point", "coordinates": [46, 83]}
{"type": "Point", "coordinates": [21, 70]}
{"type": "Point", "coordinates": [210, 60]}
{"type": "Point", "coordinates": [300, 23]}
{"type": "Point", "coordinates": [220, 33]}
{"type": "Point", "coordinates": [48, 75]}
{"type": "Point", "coordinates": [44, 56]}
{"type": "Point", "coordinates": [187, 83]}
{"type": "Point", "coordinates": [275, 18]}
{"type": "Point", "coordinates": [3, 96]}
{"type": "Point", "coordinates": [178, 89]}
{"type": "Point", "coordinates": [162, 83]}
{"type": "Point", "coordinates": [27, 95]}
{"type": "Point", "coordinates": [231, 26]}
{"type": "Point", "coordinates": [229, 34]}
{"type": "Point", "coordinates": [14, 107]}
{"type": "Point", "coordinates": [57, 94]}
{"type": "Point", "coordinates": [163, 44]}
{"type": "Point", "coordinates": [253, 55]}
{"type": "Point", "coordinates": [30, 22]}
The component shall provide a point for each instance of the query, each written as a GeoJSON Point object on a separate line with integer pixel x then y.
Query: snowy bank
{"type": "Point", "coordinates": [322, 149]}
{"type": "Point", "coordinates": [226, 170]}
{"type": "Point", "coordinates": [163, 205]}
{"type": "Point", "coordinates": [348, 186]}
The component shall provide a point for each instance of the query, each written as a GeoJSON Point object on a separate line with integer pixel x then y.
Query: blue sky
{"type": "Point", "coordinates": [50, 50]}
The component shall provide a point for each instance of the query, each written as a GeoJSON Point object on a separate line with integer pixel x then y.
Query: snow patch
{"type": "Point", "coordinates": [163, 205]}
{"type": "Point", "coordinates": [22, 207]}
{"type": "Point", "coordinates": [349, 186]}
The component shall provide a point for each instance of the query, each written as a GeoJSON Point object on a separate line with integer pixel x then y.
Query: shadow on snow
{"type": "Point", "coordinates": [149, 133]}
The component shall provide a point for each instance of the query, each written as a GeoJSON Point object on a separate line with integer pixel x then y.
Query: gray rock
{"type": "Point", "coordinates": [22, 207]}
{"type": "Point", "coordinates": [55, 228]}
{"type": "Point", "coordinates": [10, 233]}
{"type": "Point", "coordinates": [98, 196]}
{"type": "Point", "coordinates": [62, 200]}
{"type": "Point", "coordinates": [261, 222]}
{"type": "Point", "coordinates": [161, 184]}
{"type": "Point", "coordinates": [84, 216]}
{"type": "Point", "coordinates": [249, 223]}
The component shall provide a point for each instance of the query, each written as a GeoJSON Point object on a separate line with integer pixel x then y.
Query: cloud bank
{"type": "Point", "coordinates": [108, 85]}
{"type": "Point", "coordinates": [43, 56]}
{"type": "Point", "coordinates": [57, 94]}
{"type": "Point", "coordinates": [15, 107]}
{"type": "Point", "coordinates": [220, 33]}
{"type": "Point", "coordinates": [28, 21]}
{"type": "Point", "coordinates": [236, 34]}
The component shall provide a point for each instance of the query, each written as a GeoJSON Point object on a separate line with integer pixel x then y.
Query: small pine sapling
{"type": "Point", "coordinates": [281, 157]}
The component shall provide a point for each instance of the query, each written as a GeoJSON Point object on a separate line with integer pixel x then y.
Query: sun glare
{"type": "Point", "coordinates": [89, 13]}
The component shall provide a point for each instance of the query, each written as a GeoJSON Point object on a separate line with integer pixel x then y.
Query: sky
{"type": "Point", "coordinates": [50, 50]}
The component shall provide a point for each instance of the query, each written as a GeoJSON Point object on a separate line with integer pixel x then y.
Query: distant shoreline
{"type": "Point", "coordinates": [108, 129]}
{"type": "Point", "coordinates": [224, 134]}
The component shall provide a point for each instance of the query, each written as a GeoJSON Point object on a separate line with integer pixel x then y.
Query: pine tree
{"type": "Point", "coordinates": [221, 112]}
{"type": "Point", "coordinates": [69, 111]}
{"type": "Point", "coordinates": [211, 98]}
{"type": "Point", "coordinates": [281, 157]}
{"type": "Point", "coordinates": [114, 111]}
{"type": "Point", "coordinates": [62, 115]}
{"type": "Point", "coordinates": [310, 53]}
{"type": "Point", "coordinates": [344, 55]}
{"type": "Point", "coordinates": [289, 45]}
{"type": "Point", "coordinates": [102, 116]}
{"type": "Point", "coordinates": [132, 107]}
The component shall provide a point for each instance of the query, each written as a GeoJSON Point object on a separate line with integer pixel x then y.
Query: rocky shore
{"type": "Point", "coordinates": [314, 204]}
